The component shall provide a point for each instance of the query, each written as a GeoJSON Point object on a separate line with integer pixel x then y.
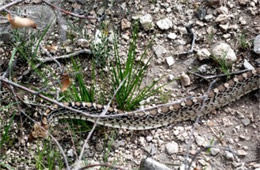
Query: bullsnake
{"type": "Point", "coordinates": [160, 115]}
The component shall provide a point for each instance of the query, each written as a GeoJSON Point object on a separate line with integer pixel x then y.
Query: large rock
{"type": "Point", "coordinates": [222, 51]}
{"type": "Point", "coordinates": [257, 44]}
{"type": "Point", "coordinates": [42, 15]}
{"type": "Point", "coordinates": [147, 22]}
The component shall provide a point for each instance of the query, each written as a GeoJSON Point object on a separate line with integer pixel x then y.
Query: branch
{"type": "Point", "coordinates": [10, 4]}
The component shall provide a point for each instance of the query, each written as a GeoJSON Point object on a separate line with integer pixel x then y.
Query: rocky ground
{"type": "Point", "coordinates": [232, 132]}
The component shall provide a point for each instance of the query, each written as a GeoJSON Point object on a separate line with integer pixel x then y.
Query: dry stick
{"type": "Point", "coordinates": [196, 122]}
{"type": "Point", "coordinates": [103, 165]}
{"type": "Point", "coordinates": [50, 59]}
{"type": "Point", "coordinates": [189, 29]}
{"type": "Point", "coordinates": [102, 114]}
{"type": "Point", "coordinates": [68, 12]}
{"type": "Point", "coordinates": [10, 4]}
{"type": "Point", "coordinates": [219, 75]}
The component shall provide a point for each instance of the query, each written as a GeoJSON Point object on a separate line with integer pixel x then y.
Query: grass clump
{"type": "Point", "coordinates": [243, 43]}
{"type": "Point", "coordinates": [131, 93]}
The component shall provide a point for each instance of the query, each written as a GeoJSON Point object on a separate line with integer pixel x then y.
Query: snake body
{"type": "Point", "coordinates": [164, 114]}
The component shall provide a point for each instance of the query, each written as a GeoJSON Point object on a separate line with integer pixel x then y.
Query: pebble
{"type": "Point", "coordinates": [246, 121]}
{"type": "Point", "coordinates": [241, 152]}
{"type": "Point", "coordinates": [170, 77]}
{"type": "Point", "coordinates": [99, 147]}
{"type": "Point", "coordinates": [185, 80]}
{"type": "Point", "coordinates": [125, 24]}
{"type": "Point", "coordinates": [149, 138]}
{"type": "Point", "coordinates": [257, 44]}
{"type": "Point", "coordinates": [83, 42]}
{"type": "Point", "coordinates": [247, 65]}
{"type": "Point", "coordinates": [151, 164]}
{"type": "Point", "coordinates": [172, 36]}
{"type": "Point", "coordinates": [199, 140]}
{"type": "Point", "coordinates": [159, 51]}
{"type": "Point", "coordinates": [170, 61]}
{"type": "Point", "coordinates": [172, 147]}
{"type": "Point", "coordinates": [147, 22]}
{"type": "Point", "coordinates": [70, 153]}
{"type": "Point", "coordinates": [214, 151]}
{"type": "Point", "coordinates": [164, 24]}
{"type": "Point", "coordinates": [229, 155]}
{"type": "Point", "coordinates": [203, 54]}
{"type": "Point", "coordinates": [222, 51]}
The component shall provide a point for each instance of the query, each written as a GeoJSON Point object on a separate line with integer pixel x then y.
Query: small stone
{"type": "Point", "coordinates": [208, 17]}
{"type": "Point", "coordinates": [222, 51]}
{"type": "Point", "coordinates": [229, 155]}
{"type": "Point", "coordinates": [164, 24]}
{"type": "Point", "coordinates": [214, 151]}
{"type": "Point", "coordinates": [149, 138]}
{"type": "Point", "coordinates": [199, 140]}
{"type": "Point", "coordinates": [83, 42]}
{"type": "Point", "coordinates": [243, 2]}
{"type": "Point", "coordinates": [147, 22]}
{"type": "Point", "coordinates": [82, 2]}
{"type": "Point", "coordinates": [213, 3]}
{"type": "Point", "coordinates": [172, 147]}
{"type": "Point", "coordinates": [246, 121]}
{"type": "Point", "coordinates": [257, 44]}
{"type": "Point", "coordinates": [203, 54]}
{"type": "Point", "coordinates": [185, 80]}
{"type": "Point", "coordinates": [247, 65]}
{"type": "Point", "coordinates": [159, 51]}
{"type": "Point", "coordinates": [70, 153]}
{"type": "Point", "coordinates": [151, 164]}
{"type": "Point", "coordinates": [171, 77]}
{"type": "Point", "coordinates": [241, 152]}
{"type": "Point", "coordinates": [172, 36]}
{"type": "Point", "coordinates": [125, 24]}
{"type": "Point", "coordinates": [203, 68]}
{"type": "Point", "coordinates": [99, 147]}
{"type": "Point", "coordinates": [170, 61]}
{"type": "Point", "coordinates": [98, 36]}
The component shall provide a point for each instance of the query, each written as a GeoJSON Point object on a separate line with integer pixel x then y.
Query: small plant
{"type": "Point", "coordinates": [243, 43]}
{"type": "Point", "coordinates": [225, 67]}
{"type": "Point", "coordinates": [131, 94]}
{"type": "Point", "coordinates": [48, 158]}
{"type": "Point", "coordinates": [79, 91]}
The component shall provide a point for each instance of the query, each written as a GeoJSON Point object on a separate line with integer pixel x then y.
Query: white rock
{"type": "Point", "coordinates": [199, 140]}
{"type": "Point", "coordinates": [125, 24]}
{"type": "Point", "coordinates": [98, 36]}
{"type": "Point", "coordinates": [170, 77]}
{"type": "Point", "coordinates": [257, 44]}
{"type": "Point", "coordinates": [159, 51]}
{"type": "Point", "coordinates": [229, 155]}
{"type": "Point", "coordinates": [164, 24]}
{"type": "Point", "coordinates": [149, 138]}
{"type": "Point", "coordinates": [147, 22]}
{"type": "Point", "coordinates": [203, 54]}
{"type": "Point", "coordinates": [247, 65]}
{"type": "Point", "coordinates": [172, 36]}
{"type": "Point", "coordinates": [172, 147]}
{"type": "Point", "coordinates": [185, 79]}
{"type": "Point", "coordinates": [214, 151]}
{"type": "Point", "coordinates": [70, 153]}
{"type": "Point", "coordinates": [82, 42]}
{"type": "Point", "coordinates": [222, 51]}
{"type": "Point", "coordinates": [170, 61]}
{"type": "Point", "coordinates": [241, 152]}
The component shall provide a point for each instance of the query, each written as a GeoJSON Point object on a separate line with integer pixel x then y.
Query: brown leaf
{"type": "Point", "coordinates": [52, 48]}
{"type": "Point", "coordinates": [65, 82]}
{"type": "Point", "coordinates": [19, 22]}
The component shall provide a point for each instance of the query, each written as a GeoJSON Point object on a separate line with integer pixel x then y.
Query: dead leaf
{"type": "Point", "coordinates": [19, 22]}
{"type": "Point", "coordinates": [52, 48]}
{"type": "Point", "coordinates": [65, 82]}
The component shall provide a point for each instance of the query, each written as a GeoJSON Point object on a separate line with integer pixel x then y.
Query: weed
{"type": "Point", "coordinates": [243, 43]}
{"type": "Point", "coordinates": [48, 157]}
{"type": "Point", "coordinates": [79, 91]}
{"type": "Point", "coordinates": [131, 94]}
{"type": "Point", "coordinates": [224, 65]}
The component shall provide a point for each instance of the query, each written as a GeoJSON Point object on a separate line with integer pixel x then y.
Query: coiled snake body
{"type": "Point", "coordinates": [164, 114]}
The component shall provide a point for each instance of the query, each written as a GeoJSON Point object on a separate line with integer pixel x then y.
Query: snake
{"type": "Point", "coordinates": [161, 115]}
